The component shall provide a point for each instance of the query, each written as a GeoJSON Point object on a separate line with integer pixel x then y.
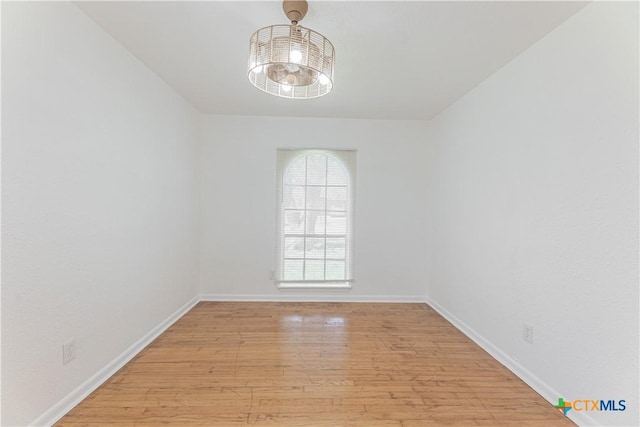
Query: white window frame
{"type": "Point", "coordinates": [285, 158]}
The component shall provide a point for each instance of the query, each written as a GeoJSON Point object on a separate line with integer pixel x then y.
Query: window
{"type": "Point", "coordinates": [315, 218]}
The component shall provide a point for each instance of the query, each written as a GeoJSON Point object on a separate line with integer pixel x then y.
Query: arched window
{"type": "Point", "coordinates": [315, 218]}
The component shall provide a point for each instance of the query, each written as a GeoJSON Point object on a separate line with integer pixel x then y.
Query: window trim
{"type": "Point", "coordinates": [285, 158]}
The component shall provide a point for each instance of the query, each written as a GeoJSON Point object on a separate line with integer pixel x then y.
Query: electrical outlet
{"type": "Point", "coordinates": [68, 351]}
{"type": "Point", "coordinates": [527, 333]}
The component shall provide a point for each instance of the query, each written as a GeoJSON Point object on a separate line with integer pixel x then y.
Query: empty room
{"type": "Point", "coordinates": [322, 213]}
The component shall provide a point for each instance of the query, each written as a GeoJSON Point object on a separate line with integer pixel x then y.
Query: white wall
{"type": "Point", "coordinates": [100, 213]}
{"type": "Point", "coordinates": [536, 209]}
{"type": "Point", "coordinates": [238, 182]}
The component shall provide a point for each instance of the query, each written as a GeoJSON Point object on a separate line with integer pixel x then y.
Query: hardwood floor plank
{"type": "Point", "coordinates": [313, 364]}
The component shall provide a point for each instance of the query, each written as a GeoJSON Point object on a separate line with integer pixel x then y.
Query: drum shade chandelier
{"type": "Point", "coordinates": [291, 61]}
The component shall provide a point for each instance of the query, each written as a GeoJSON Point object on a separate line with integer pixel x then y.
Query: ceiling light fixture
{"type": "Point", "coordinates": [290, 60]}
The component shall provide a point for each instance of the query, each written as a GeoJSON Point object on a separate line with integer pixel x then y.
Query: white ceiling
{"type": "Point", "coordinates": [394, 59]}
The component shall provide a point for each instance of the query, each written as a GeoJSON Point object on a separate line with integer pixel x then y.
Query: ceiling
{"type": "Point", "coordinates": [394, 59]}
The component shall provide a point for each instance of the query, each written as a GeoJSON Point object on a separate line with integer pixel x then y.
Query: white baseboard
{"type": "Point", "coordinates": [58, 410]}
{"type": "Point", "coordinates": [313, 297]}
{"type": "Point", "coordinates": [541, 387]}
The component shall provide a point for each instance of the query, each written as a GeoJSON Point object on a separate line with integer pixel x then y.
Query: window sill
{"type": "Point", "coordinates": [314, 286]}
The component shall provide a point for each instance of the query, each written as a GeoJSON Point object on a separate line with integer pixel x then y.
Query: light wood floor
{"type": "Point", "coordinates": [313, 364]}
